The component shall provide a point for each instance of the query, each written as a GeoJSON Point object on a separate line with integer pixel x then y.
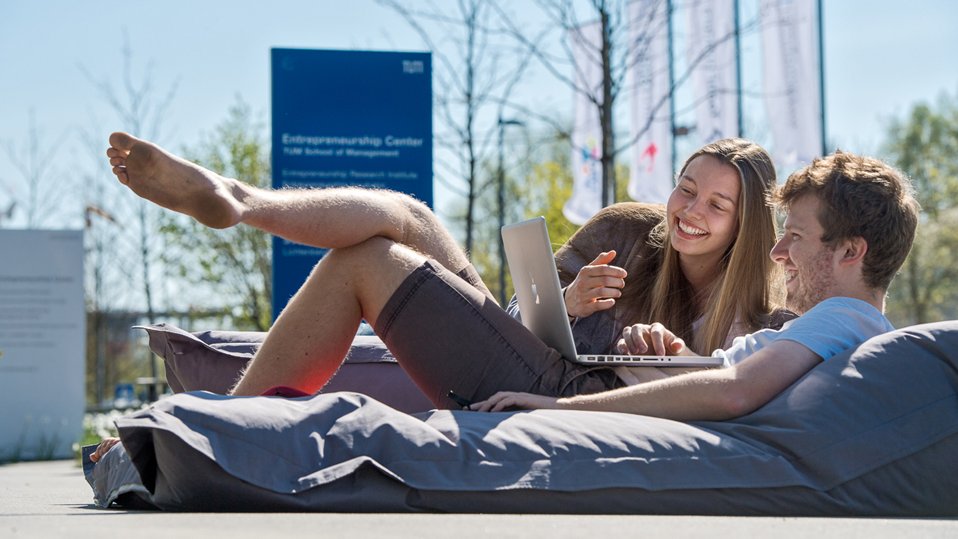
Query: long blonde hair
{"type": "Point", "coordinates": [748, 285]}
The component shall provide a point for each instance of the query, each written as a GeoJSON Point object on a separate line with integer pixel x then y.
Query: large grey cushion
{"type": "Point", "coordinates": [213, 360]}
{"type": "Point", "coordinates": [870, 432]}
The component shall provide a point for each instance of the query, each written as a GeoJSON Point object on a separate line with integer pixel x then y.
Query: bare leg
{"type": "Point", "coordinates": [311, 337]}
{"type": "Point", "coordinates": [377, 239]}
{"type": "Point", "coordinates": [330, 218]}
{"type": "Point", "coordinates": [174, 183]}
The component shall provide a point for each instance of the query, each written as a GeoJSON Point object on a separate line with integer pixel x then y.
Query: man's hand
{"type": "Point", "coordinates": [105, 445]}
{"type": "Point", "coordinates": [652, 339]}
{"type": "Point", "coordinates": [510, 400]}
{"type": "Point", "coordinates": [595, 287]}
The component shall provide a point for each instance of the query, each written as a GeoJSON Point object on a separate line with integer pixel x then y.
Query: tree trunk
{"type": "Point", "coordinates": [605, 114]}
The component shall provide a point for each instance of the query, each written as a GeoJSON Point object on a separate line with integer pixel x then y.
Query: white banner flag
{"type": "Point", "coordinates": [711, 37]}
{"type": "Point", "coordinates": [586, 197]}
{"type": "Point", "coordinates": [651, 172]}
{"type": "Point", "coordinates": [793, 103]}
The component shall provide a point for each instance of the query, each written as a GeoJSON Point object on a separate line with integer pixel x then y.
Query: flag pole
{"type": "Point", "coordinates": [821, 74]}
{"type": "Point", "coordinates": [668, 14]}
{"type": "Point", "coordinates": [738, 70]}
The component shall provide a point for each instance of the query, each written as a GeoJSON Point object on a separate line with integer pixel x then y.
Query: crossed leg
{"type": "Point", "coordinates": [377, 239]}
{"type": "Point", "coordinates": [311, 337]}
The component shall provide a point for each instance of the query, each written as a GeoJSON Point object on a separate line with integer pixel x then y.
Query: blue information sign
{"type": "Point", "coordinates": [347, 118]}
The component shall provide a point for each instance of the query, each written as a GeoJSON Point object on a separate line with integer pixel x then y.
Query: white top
{"type": "Point", "coordinates": [738, 329]}
{"type": "Point", "coordinates": [636, 375]}
{"type": "Point", "coordinates": [827, 329]}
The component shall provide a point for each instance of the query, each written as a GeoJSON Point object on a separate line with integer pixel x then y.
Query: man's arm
{"type": "Point", "coordinates": [714, 394]}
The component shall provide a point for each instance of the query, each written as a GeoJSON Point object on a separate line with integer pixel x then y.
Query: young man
{"type": "Point", "coordinates": [850, 224]}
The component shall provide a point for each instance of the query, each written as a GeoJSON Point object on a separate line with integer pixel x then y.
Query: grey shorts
{"type": "Point", "coordinates": [450, 336]}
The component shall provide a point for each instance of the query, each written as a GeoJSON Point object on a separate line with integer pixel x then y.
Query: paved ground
{"type": "Point", "coordinates": [51, 499]}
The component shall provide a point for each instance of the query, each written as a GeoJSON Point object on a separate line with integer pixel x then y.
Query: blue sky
{"type": "Point", "coordinates": [881, 57]}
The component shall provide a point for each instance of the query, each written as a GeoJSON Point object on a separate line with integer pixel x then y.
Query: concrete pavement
{"type": "Point", "coordinates": [51, 499]}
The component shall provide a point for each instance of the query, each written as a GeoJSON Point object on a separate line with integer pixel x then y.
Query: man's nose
{"type": "Point", "coordinates": [779, 251]}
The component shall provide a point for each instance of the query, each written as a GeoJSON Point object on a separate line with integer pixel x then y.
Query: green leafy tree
{"type": "Point", "coordinates": [233, 266]}
{"type": "Point", "coordinates": [925, 146]}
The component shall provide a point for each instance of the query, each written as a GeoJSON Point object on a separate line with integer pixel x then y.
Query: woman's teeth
{"type": "Point", "coordinates": [689, 229]}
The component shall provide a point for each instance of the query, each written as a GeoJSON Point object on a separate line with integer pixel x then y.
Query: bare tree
{"type": "Point", "coordinates": [470, 82]}
{"type": "Point", "coordinates": [34, 161]}
{"type": "Point", "coordinates": [623, 44]}
{"type": "Point", "coordinates": [106, 266]}
{"type": "Point", "coordinates": [140, 111]}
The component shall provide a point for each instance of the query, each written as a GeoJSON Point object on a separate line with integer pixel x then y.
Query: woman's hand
{"type": "Point", "coordinates": [595, 287]}
{"type": "Point", "coordinates": [510, 400]}
{"type": "Point", "coordinates": [651, 339]}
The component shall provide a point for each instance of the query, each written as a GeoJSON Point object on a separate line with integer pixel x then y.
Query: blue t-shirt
{"type": "Point", "coordinates": [827, 329]}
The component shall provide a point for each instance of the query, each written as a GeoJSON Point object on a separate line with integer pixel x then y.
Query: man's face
{"type": "Point", "coordinates": [809, 264]}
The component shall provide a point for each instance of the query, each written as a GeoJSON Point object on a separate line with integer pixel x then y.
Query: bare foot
{"type": "Point", "coordinates": [174, 183]}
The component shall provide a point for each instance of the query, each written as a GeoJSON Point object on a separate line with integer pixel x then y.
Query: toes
{"type": "Point", "coordinates": [122, 141]}
{"type": "Point", "coordinates": [120, 173]}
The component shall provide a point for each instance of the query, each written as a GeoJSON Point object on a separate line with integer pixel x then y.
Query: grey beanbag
{"type": "Point", "coordinates": [870, 432]}
{"type": "Point", "coordinates": [213, 360]}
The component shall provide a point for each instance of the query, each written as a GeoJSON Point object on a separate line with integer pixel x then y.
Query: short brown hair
{"type": "Point", "coordinates": [860, 197]}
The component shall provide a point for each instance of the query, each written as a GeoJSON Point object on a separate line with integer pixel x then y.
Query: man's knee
{"type": "Point", "coordinates": [373, 270]}
{"type": "Point", "coordinates": [419, 218]}
{"type": "Point", "coordinates": [375, 256]}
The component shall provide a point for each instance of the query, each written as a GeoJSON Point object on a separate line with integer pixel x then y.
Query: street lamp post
{"type": "Point", "coordinates": [501, 199]}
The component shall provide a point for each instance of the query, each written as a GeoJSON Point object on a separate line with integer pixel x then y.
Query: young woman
{"type": "Point", "coordinates": [393, 264]}
{"type": "Point", "coordinates": [700, 266]}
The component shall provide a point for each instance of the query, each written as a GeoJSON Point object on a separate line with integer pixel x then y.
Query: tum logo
{"type": "Point", "coordinates": [413, 66]}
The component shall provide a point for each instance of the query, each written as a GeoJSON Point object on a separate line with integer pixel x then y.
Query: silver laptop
{"type": "Point", "coordinates": [533, 269]}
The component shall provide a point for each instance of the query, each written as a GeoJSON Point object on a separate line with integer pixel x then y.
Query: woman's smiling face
{"type": "Point", "coordinates": [703, 209]}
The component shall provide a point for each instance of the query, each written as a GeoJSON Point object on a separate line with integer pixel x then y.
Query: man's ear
{"type": "Point", "coordinates": [853, 250]}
